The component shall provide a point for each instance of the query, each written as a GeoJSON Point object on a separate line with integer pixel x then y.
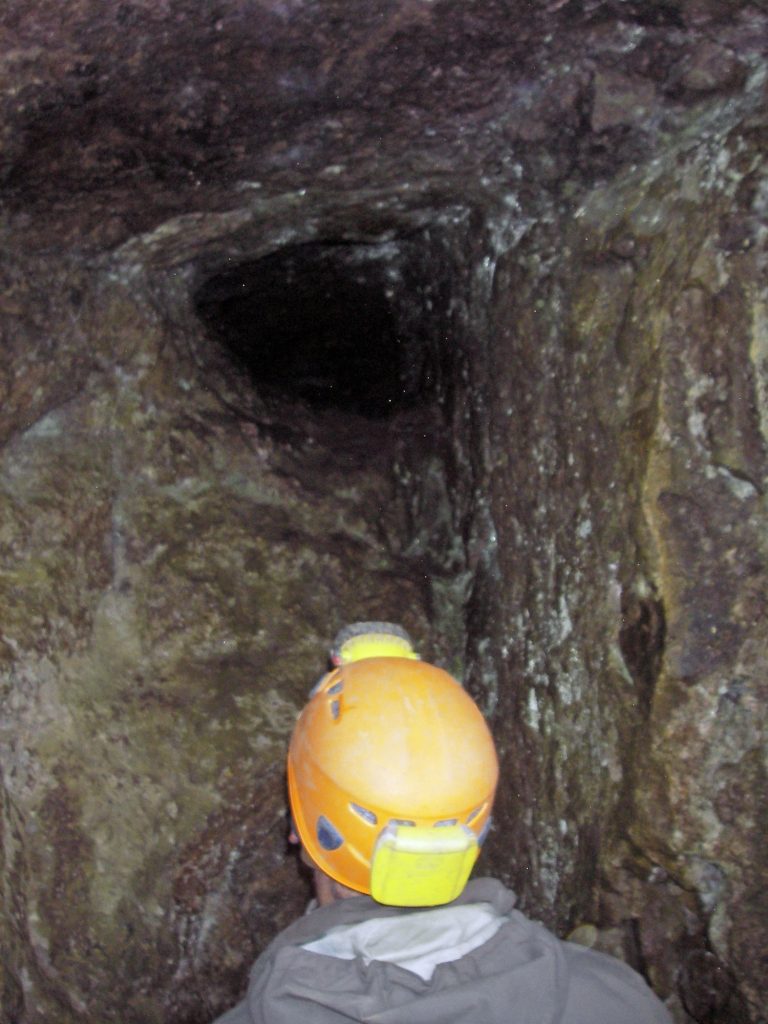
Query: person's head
{"type": "Point", "coordinates": [391, 775]}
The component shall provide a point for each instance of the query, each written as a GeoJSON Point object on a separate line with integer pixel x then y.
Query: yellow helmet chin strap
{"type": "Point", "coordinates": [422, 866]}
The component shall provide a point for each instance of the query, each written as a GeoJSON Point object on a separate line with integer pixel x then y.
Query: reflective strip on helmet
{"type": "Point", "coordinates": [422, 866]}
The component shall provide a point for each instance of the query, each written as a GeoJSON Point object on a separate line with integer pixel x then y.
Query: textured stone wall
{"type": "Point", "coordinates": [560, 212]}
{"type": "Point", "coordinates": [169, 588]}
{"type": "Point", "coordinates": [618, 629]}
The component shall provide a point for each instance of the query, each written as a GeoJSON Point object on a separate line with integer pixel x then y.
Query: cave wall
{"type": "Point", "coordinates": [574, 519]}
{"type": "Point", "coordinates": [616, 624]}
{"type": "Point", "coordinates": [169, 590]}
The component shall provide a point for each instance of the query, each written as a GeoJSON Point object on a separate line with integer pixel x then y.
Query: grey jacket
{"type": "Point", "coordinates": [522, 975]}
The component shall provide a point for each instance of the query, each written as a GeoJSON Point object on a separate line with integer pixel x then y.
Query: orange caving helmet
{"type": "Point", "coordinates": [392, 773]}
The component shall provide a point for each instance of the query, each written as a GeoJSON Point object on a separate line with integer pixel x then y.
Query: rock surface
{"type": "Point", "coordinates": [445, 312]}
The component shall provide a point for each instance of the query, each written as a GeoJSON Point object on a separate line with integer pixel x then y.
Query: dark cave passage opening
{"type": "Point", "coordinates": [324, 324]}
{"type": "Point", "coordinates": [351, 356]}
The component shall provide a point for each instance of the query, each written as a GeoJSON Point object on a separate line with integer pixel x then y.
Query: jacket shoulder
{"type": "Point", "coordinates": [604, 990]}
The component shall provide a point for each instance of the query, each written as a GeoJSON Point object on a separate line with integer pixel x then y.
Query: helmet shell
{"type": "Point", "coordinates": [386, 741]}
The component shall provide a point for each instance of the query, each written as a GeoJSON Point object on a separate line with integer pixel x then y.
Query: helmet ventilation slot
{"type": "Point", "coordinates": [478, 810]}
{"type": "Point", "coordinates": [328, 836]}
{"type": "Point", "coordinates": [363, 812]}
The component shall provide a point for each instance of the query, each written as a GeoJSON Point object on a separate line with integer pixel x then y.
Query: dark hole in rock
{"type": "Point", "coordinates": [320, 323]}
{"type": "Point", "coordinates": [641, 639]}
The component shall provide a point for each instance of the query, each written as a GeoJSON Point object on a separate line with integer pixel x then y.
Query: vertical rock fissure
{"type": "Point", "coordinates": [348, 356]}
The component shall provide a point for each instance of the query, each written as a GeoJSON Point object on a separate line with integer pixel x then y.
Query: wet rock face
{"type": "Point", "coordinates": [446, 313]}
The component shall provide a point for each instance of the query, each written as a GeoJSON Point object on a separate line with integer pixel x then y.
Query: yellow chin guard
{"type": "Point", "coordinates": [422, 866]}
